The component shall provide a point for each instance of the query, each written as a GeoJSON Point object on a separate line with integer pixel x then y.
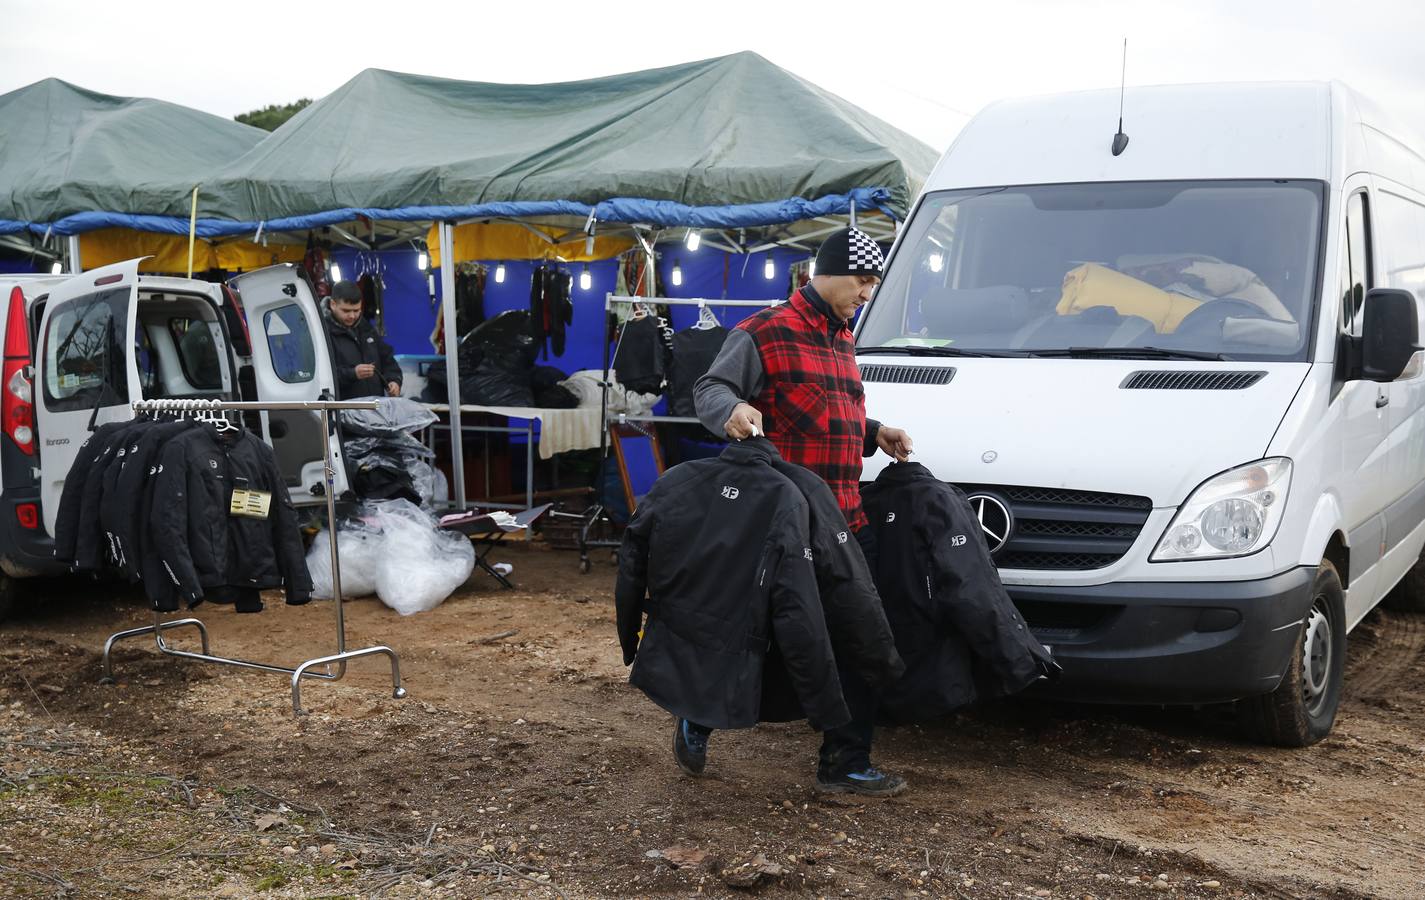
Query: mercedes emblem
{"type": "Point", "coordinates": [996, 522]}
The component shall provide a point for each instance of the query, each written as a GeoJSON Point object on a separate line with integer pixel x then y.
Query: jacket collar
{"type": "Point", "coordinates": [808, 303]}
{"type": "Point", "coordinates": [750, 452]}
{"type": "Point", "coordinates": [902, 473]}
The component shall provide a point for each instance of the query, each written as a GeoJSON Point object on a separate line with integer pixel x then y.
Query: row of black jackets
{"type": "Point", "coordinates": [960, 634]}
{"type": "Point", "coordinates": [741, 628]}
{"type": "Point", "coordinates": [648, 358]}
{"type": "Point", "coordinates": [151, 498]}
{"type": "Point", "coordinates": [753, 588]}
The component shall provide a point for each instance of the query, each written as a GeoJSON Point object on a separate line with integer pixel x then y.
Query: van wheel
{"type": "Point", "coordinates": [1302, 709]}
{"type": "Point", "coordinates": [1409, 595]}
{"type": "Point", "coordinates": [8, 589]}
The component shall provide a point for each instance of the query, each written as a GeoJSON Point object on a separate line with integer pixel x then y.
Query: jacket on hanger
{"type": "Point", "coordinates": [551, 308]}
{"type": "Point", "coordinates": [718, 555]}
{"type": "Point", "coordinates": [71, 499]}
{"type": "Point", "coordinates": [955, 626]}
{"type": "Point", "coordinates": [201, 541]}
{"type": "Point", "coordinates": [641, 359]}
{"type": "Point", "coordinates": [694, 350]}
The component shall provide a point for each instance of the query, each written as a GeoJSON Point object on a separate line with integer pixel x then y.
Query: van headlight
{"type": "Point", "coordinates": [1236, 513]}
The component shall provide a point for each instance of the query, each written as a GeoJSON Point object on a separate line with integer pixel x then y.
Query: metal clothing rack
{"type": "Point", "coordinates": [325, 407]}
{"type": "Point", "coordinates": [596, 512]}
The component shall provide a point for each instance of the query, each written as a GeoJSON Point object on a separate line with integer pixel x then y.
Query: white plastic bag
{"type": "Point", "coordinates": [418, 565]}
{"type": "Point", "coordinates": [359, 549]}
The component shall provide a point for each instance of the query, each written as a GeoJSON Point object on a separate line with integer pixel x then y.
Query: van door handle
{"type": "Point", "coordinates": [1382, 400]}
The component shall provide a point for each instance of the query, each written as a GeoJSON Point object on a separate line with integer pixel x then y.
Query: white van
{"type": "Point", "coordinates": [1180, 383]}
{"type": "Point", "coordinates": [108, 336]}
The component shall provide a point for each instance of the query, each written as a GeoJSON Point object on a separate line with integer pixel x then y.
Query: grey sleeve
{"type": "Point", "coordinates": [736, 376]}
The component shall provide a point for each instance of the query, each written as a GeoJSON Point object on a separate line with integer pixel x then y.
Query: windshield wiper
{"type": "Point", "coordinates": [1130, 353]}
{"type": "Point", "coordinates": [922, 350]}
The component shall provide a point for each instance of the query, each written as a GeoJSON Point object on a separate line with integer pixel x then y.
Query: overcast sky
{"type": "Point", "coordinates": [921, 66]}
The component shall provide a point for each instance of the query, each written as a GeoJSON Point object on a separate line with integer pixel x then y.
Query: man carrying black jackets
{"type": "Point", "coordinates": [754, 596]}
{"type": "Point", "coordinates": [365, 364]}
{"type": "Point", "coordinates": [790, 373]}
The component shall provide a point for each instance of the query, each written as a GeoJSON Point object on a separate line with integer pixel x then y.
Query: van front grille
{"type": "Point", "coordinates": [1056, 528]}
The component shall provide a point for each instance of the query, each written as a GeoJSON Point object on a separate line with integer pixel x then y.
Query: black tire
{"type": "Point", "coordinates": [8, 589]}
{"type": "Point", "coordinates": [1409, 595]}
{"type": "Point", "coordinates": [1302, 709]}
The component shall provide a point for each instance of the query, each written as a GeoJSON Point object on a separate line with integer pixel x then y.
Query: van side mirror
{"type": "Point", "coordinates": [1390, 333]}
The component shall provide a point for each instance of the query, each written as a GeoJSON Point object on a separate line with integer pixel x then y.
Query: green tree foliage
{"type": "Point", "coordinates": [269, 117]}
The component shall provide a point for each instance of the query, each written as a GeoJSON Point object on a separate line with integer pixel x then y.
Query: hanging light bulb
{"type": "Point", "coordinates": [811, 268]}
{"type": "Point", "coordinates": [769, 270]}
{"type": "Point", "coordinates": [57, 268]}
{"type": "Point", "coordinates": [937, 262]}
{"type": "Point", "coordinates": [423, 261]}
{"type": "Point", "coordinates": [677, 274]}
{"type": "Point", "coordinates": [694, 239]}
{"type": "Point", "coordinates": [500, 274]}
{"type": "Point", "coordinates": [335, 273]}
{"type": "Point", "coordinates": [586, 280]}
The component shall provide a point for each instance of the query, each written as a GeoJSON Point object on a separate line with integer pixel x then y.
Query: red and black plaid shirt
{"type": "Point", "coordinates": [813, 406]}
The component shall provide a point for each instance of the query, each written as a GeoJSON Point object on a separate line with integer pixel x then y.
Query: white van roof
{"type": "Point", "coordinates": [1204, 131]}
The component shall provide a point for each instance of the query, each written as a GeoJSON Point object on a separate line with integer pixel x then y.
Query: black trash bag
{"type": "Point", "coordinates": [494, 385]}
{"type": "Point", "coordinates": [555, 397]}
{"type": "Point", "coordinates": [543, 377]}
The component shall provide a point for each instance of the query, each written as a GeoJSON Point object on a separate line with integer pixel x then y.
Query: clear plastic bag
{"type": "Point", "coordinates": [393, 415]}
{"type": "Point", "coordinates": [358, 547]}
{"type": "Point", "coordinates": [395, 550]}
{"type": "Point", "coordinates": [419, 565]}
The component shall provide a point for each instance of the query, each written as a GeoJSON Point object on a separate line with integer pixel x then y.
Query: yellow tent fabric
{"type": "Point", "coordinates": [169, 252]}
{"type": "Point", "coordinates": [505, 240]}
{"type": "Point", "coordinates": [1092, 285]}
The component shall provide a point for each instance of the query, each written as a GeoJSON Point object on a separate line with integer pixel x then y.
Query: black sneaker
{"type": "Point", "coordinates": [869, 782]}
{"type": "Point", "coordinates": [690, 747]}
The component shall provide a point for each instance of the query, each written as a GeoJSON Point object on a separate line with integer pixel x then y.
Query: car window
{"type": "Point", "coordinates": [83, 353]}
{"type": "Point", "coordinates": [198, 353]}
{"type": "Point", "coordinates": [289, 340]}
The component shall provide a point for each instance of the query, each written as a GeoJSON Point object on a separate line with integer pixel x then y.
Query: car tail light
{"type": "Point", "coordinates": [17, 403]}
{"type": "Point", "coordinates": [29, 515]}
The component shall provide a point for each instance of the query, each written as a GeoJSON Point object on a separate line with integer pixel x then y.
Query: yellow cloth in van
{"type": "Point", "coordinates": [1091, 285]}
{"type": "Point", "coordinates": [169, 252]}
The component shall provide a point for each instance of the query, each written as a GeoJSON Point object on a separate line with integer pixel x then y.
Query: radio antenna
{"type": "Point", "coordinates": [1120, 140]}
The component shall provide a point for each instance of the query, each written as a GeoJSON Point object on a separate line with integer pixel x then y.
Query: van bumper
{"type": "Point", "coordinates": [1173, 642]}
{"type": "Point", "coordinates": [25, 552]}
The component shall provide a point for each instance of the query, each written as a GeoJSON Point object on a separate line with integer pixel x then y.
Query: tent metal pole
{"type": "Point", "coordinates": [452, 360]}
{"type": "Point", "coordinates": [76, 263]}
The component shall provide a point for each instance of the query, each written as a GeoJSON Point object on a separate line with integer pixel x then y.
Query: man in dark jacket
{"type": "Point", "coordinates": [365, 364]}
{"type": "Point", "coordinates": [790, 372]}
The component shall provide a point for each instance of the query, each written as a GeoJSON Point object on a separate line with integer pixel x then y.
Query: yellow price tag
{"type": "Point", "coordinates": [252, 504]}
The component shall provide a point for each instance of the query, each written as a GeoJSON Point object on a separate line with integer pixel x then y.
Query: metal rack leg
{"type": "Point", "coordinates": [397, 691]}
{"type": "Point", "coordinates": [156, 630]}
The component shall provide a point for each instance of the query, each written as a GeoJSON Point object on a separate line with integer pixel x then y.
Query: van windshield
{"type": "Point", "coordinates": [1223, 269]}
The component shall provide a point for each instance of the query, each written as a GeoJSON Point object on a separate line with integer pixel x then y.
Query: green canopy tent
{"type": "Point", "coordinates": [728, 142]}
{"type": "Point", "coordinates": [74, 160]}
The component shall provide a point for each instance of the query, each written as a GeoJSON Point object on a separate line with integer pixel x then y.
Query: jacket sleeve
{"type": "Point", "coordinates": [286, 536]}
{"type": "Point", "coordinates": [631, 589]}
{"type": "Point", "coordinates": [125, 501]}
{"type": "Point", "coordinates": [168, 522]}
{"type": "Point", "coordinates": [855, 618]}
{"type": "Point", "coordinates": [868, 444]}
{"type": "Point", "coordinates": [66, 525]}
{"type": "Point", "coordinates": [971, 599]}
{"type": "Point", "coordinates": [390, 369]}
{"type": "Point", "coordinates": [735, 376]}
{"type": "Point", "coordinates": [798, 624]}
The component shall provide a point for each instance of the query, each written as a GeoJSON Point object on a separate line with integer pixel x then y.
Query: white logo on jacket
{"type": "Point", "coordinates": [890, 517]}
{"type": "Point", "coordinates": [959, 540]}
{"type": "Point", "coordinates": [807, 553]}
{"type": "Point", "coordinates": [730, 492]}
{"type": "Point", "coordinates": [841, 537]}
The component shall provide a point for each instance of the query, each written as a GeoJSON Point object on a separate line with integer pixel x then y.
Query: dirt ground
{"type": "Point", "coordinates": [523, 762]}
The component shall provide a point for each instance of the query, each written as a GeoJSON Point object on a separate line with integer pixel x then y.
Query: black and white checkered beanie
{"type": "Point", "coordinates": [849, 252]}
